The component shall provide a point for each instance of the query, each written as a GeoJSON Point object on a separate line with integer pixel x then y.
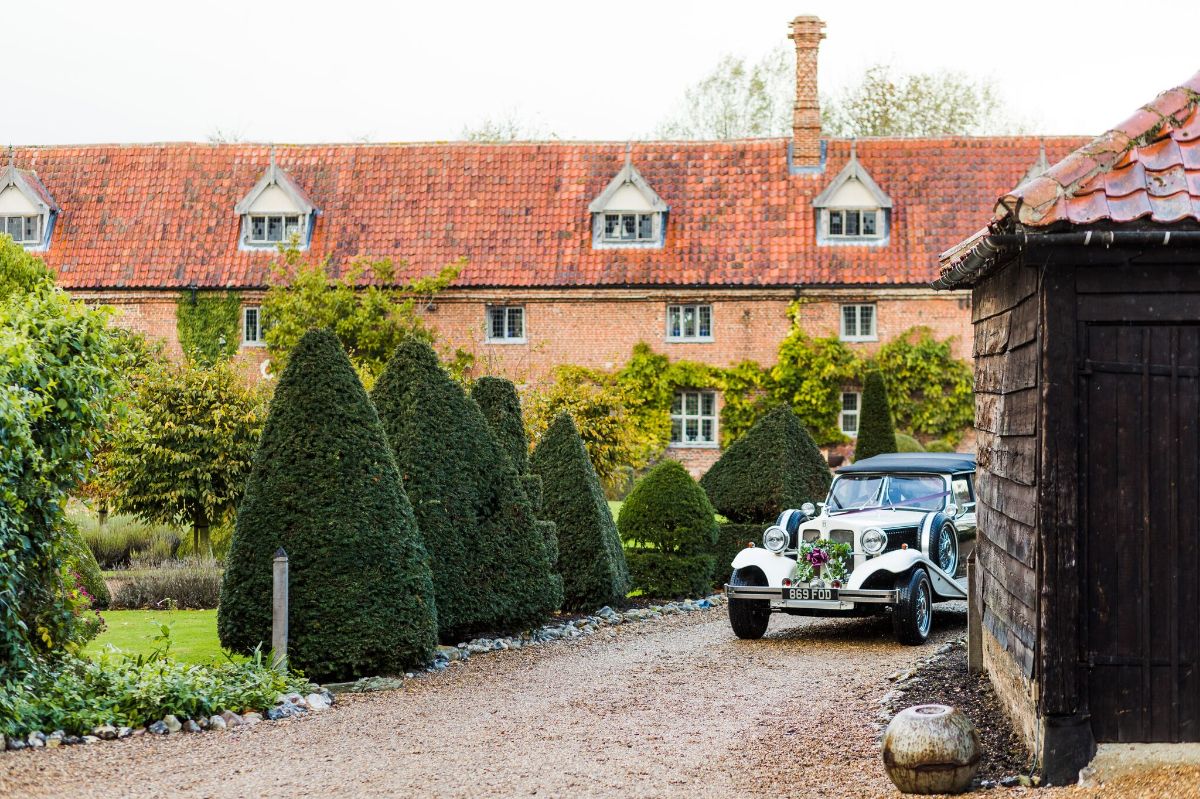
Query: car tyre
{"type": "Point", "coordinates": [945, 549]}
{"type": "Point", "coordinates": [913, 615]}
{"type": "Point", "coordinates": [748, 617]}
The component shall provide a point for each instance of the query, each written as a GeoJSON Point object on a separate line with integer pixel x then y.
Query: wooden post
{"type": "Point", "coordinates": [974, 619]}
{"type": "Point", "coordinates": [279, 611]}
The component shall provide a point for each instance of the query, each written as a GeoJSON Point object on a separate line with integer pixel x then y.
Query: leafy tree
{"type": "Point", "coordinates": [670, 529]}
{"type": "Point", "coordinates": [775, 466]}
{"type": "Point", "coordinates": [185, 453]}
{"type": "Point", "coordinates": [876, 433]}
{"type": "Point", "coordinates": [491, 568]}
{"type": "Point", "coordinates": [738, 100]}
{"type": "Point", "coordinates": [888, 103]}
{"type": "Point", "coordinates": [325, 488]}
{"type": "Point", "coordinates": [505, 127]}
{"type": "Point", "coordinates": [591, 560]}
{"type": "Point", "coordinates": [931, 392]}
{"type": "Point", "coordinates": [366, 308]}
{"type": "Point", "coordinates": [59, 375]}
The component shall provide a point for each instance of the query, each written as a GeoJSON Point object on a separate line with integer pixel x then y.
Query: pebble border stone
{"type": "Point", "coordinates": [322, 697]}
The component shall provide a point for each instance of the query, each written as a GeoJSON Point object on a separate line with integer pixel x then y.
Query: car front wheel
{"type": "Point", "coordinates": [913, 615]}
{"type": "Point", "coordinates": [748, 617]}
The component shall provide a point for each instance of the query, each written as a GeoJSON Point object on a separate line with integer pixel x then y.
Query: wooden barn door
{"type": "Point", "coordinates": [1140, 478]}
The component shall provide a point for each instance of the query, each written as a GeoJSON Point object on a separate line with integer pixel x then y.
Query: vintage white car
{"type": "Point", "coordinates": [894, 533]}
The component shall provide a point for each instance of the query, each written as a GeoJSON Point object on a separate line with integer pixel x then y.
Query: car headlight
{"type": "Point", "coordinates": [775, 538]}
{"type": "Point", "coordinates": [874, 541]}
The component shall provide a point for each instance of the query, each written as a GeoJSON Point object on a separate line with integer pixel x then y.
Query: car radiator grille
{"type": "Point", "coordinates": [904, 535]}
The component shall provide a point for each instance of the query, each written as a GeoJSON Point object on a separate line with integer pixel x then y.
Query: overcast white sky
{"type": "Point", "coordinates": [343, 70]}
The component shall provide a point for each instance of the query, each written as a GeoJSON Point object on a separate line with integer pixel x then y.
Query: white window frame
{"type": "Point", "coordinates": [259, 339]}
{"type": "Point", "coordinates": [651, 217]}
{"type": "Point", "coordinates": [286, 231]}
{"type": "Point", "coordinates": [843, 217]}
{"type": "Point", "coordinates": [682, 413]}
{"type": "Point", "coordinates": [856, 413]}
{"type": "Point", "coordinates": [858, 335]}
{"type": "Point", "coordinates": [677, 320]}
{"type": "Point", "coordinates": [508, 312]}
{"type": "Point", "coordinates": [25, 224]}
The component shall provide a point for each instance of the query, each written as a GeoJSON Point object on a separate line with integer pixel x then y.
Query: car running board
{"type": "Point", "coordinates": [945, 586]}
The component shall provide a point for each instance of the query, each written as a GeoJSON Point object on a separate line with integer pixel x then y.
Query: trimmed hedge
{"type": "Point", "coordinates": [732, 538]}
{"type": "Point", "coordinates": [876, 432]}
{"type": "Point", "coordinates": [671, 528]}
{"type": "Point", "coordinates": [501, 406]}
{"type": "Point", "coordinates": [82, 563]}
{"type": "Point", "coordinates": [773, 467]}
{"type": "Point", "coordinates": [906, 443]}
{"type": "Point", "coordinates": [325, 488]}
{"type": "Point", "coordinates": [491, 569]}
{"type": "Point", "coordinates": [590, 558]}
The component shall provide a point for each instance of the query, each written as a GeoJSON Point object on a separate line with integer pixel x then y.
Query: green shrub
{"type": "Point", "coordinates": [82, 564]}
{"type": "Point", "coordinates": [491, 570]}
{"type": "Point", "coordinates": [125, 539]}
{"type": "Point", "coordinates": [906, 443]}
{"type": "Point", "coordinates": [773, 467]}
{"type": "Point", "coordinates": [501, 406]}
{"type": "Point", "coordinates": [182, 585]}
{"type": "Point", "coordinates": [732, 538]}
{"type": "Point", "coordinates": [79, 694]}
{"type": "Point", "coordinates": [324, 487]}
{"type": "Point", "coordinates": [590, 557]}
{"type": "Point", "coordinates": [940, 445]}
{"type": "Point", "coordinates": [876, 433]}
{"type": "Point", "coordinates": [670, 528]}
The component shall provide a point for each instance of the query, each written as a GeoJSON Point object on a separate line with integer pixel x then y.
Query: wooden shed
{"type": "Point", "coordinates": [1086, 296]}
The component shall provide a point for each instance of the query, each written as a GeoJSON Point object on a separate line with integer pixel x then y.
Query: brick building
{"type": "Point", "coordinates": [575, 251]}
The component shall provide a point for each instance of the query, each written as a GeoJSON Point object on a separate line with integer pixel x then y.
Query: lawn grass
{"type": "Point", "coordinates": [193, 634]}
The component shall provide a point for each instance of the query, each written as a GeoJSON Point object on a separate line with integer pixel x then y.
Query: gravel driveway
{"type": "Point", "coordinates": [674, 708]}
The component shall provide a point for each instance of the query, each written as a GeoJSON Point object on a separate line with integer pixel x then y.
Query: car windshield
{"type": "Point", "coordinates": [857, 491]}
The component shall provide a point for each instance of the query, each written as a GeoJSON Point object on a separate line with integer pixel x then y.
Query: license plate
{"type": "Point", "coordinates": [811, 594]}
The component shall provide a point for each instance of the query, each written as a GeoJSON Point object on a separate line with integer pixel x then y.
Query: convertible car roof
{"type": "Point", "coordinates": [932, 462]}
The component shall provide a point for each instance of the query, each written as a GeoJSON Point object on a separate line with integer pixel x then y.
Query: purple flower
{"type": "Point", "coordinates": [818, 557]}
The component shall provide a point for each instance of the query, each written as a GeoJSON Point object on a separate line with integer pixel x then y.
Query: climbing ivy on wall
{"type": "Point", "coordinates": [209, 325]}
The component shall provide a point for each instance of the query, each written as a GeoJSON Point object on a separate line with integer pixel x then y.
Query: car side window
{"type": "Point", "coordinates": [961, 486]}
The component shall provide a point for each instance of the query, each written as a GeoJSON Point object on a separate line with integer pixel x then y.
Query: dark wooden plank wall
{"type": "Point", "coordinates": [1006, 314]}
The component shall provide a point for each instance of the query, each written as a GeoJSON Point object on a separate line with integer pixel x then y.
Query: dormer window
{"type": "Point", "coordinates": [27, 211]}
{"type": "Point", "coordinates": [852, 209]}
{"type": "Point", "coordinates": [275, 212]}
{"type": "Point", "coordinates": [628, 213]}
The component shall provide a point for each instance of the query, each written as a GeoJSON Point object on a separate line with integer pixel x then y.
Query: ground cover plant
{"type": "Point", "coordinates": [669, 529]}
{"type": "Point", "coordinates": [591, 559]}
{"type": "Point", "coordinates": [491, 568]}
{"type": "Point", "coordinates": [324, 487]}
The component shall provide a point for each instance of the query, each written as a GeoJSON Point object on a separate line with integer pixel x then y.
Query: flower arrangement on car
{"type": "Point", "coordinates": [822, 558]}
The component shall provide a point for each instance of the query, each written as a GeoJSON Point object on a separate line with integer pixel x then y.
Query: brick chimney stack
{"type": "Point", "coordinates": [807, 33]}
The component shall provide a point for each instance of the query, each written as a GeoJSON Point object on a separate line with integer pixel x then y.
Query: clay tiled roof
{"type": "Point", "coordinates": [162, 216]}
{"type": "Point", "coordinates": [1148, 167]}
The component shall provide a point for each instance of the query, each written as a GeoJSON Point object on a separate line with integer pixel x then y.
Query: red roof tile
{"type": "Point", "coordinates": [1146, 167]}
{"type": "Point", "coordinates": [162, 216]}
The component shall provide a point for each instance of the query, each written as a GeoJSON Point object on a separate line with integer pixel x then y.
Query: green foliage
{"type": "Point", "coordinates": [179, 584]}
{"type": "Point", "coordinates": [775, 466]}
{"type": "Point", "coordinates": [501, 406]}
{"type": "Point", "coordinates": [324, 487]}
{"type": "Point", "coordinates": [59, 372]}
{"type": "Point", "coordinates": [185, 452]}
{"type": "Point", "coordinates": [590, 559]}
{"type": "Point", "coordinates": [732, 538]}
{"type": "Point", "coordinates": [365, 306]}
{"type": "Point", "coordinates": [491, 569]}
{"type": "Point", "coordinates": [940, 445]}
{"type": "Point", "coordinates": [746, 394]}
{"type": "Point", "coordinates": [738, 100]}
{"type": "Point", "coordinates": [133, 632]}
{"type": "Point", "coordinates": [670, 529]}
{"type": "Point", "coordinates": [81, 563]}
{"type": "Point", "coordinates": [906, 443]}
{"type": "Point", "coordinates": [930, 390]}
{"type": "Point", "coordinates": [209, 325]}
{"type": "Point", "coordinates": [125, 539]}
{"type": "Point", "coordinates": [810, 376]}
{"type": "Point", "coordinates": [78, 694]}
{"type": "Point", "coordinates": [876, 433]}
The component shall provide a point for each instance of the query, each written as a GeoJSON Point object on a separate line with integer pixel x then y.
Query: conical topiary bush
{"type": "Point", "coordinates": [324, 487]}
{"type": "Point", "coordinates": [670, 526]}
{"type": "Point", "coordinates": [591, 559]}
{"type": "Point", "coordinates": [876, 432]}
{"type": "Point", "coordinates": [490, 564]}
{"type": "Point", "coordinates": [775, 466]}
{"type": "Point", "coordinates": [501, 406]}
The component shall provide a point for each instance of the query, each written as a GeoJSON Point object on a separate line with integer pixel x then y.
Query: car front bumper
{"type": "Point", "coordinates": [847, 599]}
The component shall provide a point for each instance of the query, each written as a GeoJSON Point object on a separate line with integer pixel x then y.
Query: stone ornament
{"type": "Point", "coordinates": [931, 749]}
